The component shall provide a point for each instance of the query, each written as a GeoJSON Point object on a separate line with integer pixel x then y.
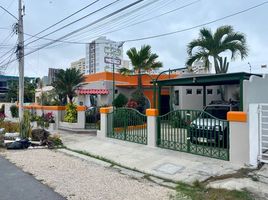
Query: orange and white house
{"type": "Point", "coordinates": [98, 88]}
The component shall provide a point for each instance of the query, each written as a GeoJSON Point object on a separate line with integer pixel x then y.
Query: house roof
{"type": "Point", "coordinates": [126, 79]}
{"type": "Point", "coordinates": [206, 80]}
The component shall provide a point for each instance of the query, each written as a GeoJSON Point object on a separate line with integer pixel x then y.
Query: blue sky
{"type": "Point", "coordinates": [171, 49]}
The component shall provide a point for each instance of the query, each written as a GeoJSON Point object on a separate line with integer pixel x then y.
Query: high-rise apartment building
{"type": "Point", "coordinates": [80, 65]}
{"type": "Point", "coordinates": [101, 53]}
{"type": "Point", "coordinates": [52, 75]}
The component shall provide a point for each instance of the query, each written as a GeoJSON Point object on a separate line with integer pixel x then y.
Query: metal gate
{"type": "Point", "coordinates": [195, 132]}
{"type": "Point", "coordinates": [127, 124]}
{"type": "Point", "coordinates": [263, 137]}
{"type": "Point", "coordinates": [92, 118]}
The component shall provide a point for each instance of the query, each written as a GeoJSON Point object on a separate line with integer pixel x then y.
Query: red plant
{"type": "Point", "coordinates": [2, 116]}
{"type": "Point", "coordinates": [49, 117]}
{"type": "Point", "coordinates": [132, 104]}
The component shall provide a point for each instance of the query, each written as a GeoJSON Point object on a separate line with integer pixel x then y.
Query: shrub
{"type": "Point", "coordinates": [48, 117]}
{"type": "Point", "coordinates": [126, 117]}
{"type": "Point", "coordinates": [132, 104]}
{"type": "Point", "coordinates": [34, 118]}
{"type": "Point", "coordinates": [40, 121]}
{"type": "Point", "coordinates": [25, 125]}
{"type": "Point", "coordinates": [2, 109]}
{"type": "Point", "coordinates": [138, 96]}
{"type": "Point", "coordinates": [54, 141]}
{"type": "Point", "coordinates": [14, 111]}
{"type": "Point", "coordinates": [71, 113]}
{"type": "Point", "coordinates": [2, 117]}
{"type": "Point", "coordinates": [120, 101]}
{"type": "Point", "coordinates": [10, 127]}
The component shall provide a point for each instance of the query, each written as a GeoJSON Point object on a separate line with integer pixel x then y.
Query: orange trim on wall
{"type": "Point", "coordinates": [152, 112]}
{"type": "Point", "coordinates": [237, 116]}
{"type": "Point", "coordinates": [38, 107]}
{"type": "Point", "coordinates": [81, 108]}
{"type": "Point", "coordinates": [105, 110]}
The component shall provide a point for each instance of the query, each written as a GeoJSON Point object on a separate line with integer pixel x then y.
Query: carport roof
{"type": "Point", "coordinates": [206, 80]}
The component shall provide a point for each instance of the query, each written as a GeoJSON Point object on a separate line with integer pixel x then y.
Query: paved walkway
{"type": "Point", "coordinates": [15, 184]}
{"type": "Point", "coordinates": [159, 162]}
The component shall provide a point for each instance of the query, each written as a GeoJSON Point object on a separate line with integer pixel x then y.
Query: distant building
{"type": "Point", "coordinates": [199, 67]}
{"type": "Point", "coordinates": [79, 64]}
{"type": "Point", "coordinates": [126, 64]}
{"type": "Point", "coordinates": [45, 80]}
{"type": "Point", "coordinates": [100, 54]}
{"type": "Point", "coordinates": [52, 75]}
{"type": "Point", "coordinates": [4, 84]}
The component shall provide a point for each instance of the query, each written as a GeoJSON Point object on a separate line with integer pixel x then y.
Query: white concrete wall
{"type": "Point", "coordinates": [239, 143]}
{"type": "Point", "coordinates": [255, 91]}
{"type": "Point", "coordinates": [7, 109]}
{"type": "Point", "coordinates": [254, 135]}
{"type": "Point", "coordinates": [195, 101]}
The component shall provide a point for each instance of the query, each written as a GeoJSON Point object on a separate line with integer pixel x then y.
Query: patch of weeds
{"type": "Point", "coordinates": [241, 173]}
{"type": "Point", "coordinates": [199, 192]}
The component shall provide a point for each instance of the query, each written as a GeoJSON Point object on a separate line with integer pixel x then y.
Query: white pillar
{"type": "Point", "coordinates": [253, 134]}
{"type": "Point", "coordinates": [152, 127]}
{"type": "Point", "coordinates": [102, 133]}
{"type": "Point", "coordinates": [239, 138]}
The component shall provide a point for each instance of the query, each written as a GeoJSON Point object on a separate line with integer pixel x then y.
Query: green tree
{"type": "Point", "coordinates": [120, 101]}
{"type": "Point", "coordinates": [13, 90]}
{"type": "Point", "coordinates": [66, 82]}
{"type": "Point", "coordinates": [211, 45]}
{"type": "Point", "coordinates": [143, 60]}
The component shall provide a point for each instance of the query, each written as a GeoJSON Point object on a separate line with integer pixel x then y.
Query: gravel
{"type": "Point", "coordinates": [75, 178]}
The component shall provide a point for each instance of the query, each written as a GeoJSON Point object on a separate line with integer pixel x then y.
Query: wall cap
{"type": "Point", "coordinates": [237, 116]}
{"type": "Point", "coordinates": [105, 110]}
{"type": "Point", "coordinates": [152, 112]}
{"type": "Point", "coordinates": [81, 108]}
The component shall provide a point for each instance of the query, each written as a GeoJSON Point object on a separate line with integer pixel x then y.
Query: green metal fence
{"type": "Point", "coordinates": [92, 118]}
{"type": "Point", "coordinates": [127, 124]}
{"type": "Point", "coordinates": [195, 132]}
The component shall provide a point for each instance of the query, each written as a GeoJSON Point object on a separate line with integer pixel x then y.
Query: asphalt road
{"type": "Point", "coordinates": [18, 185]}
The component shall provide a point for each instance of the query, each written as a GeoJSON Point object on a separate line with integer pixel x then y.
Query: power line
{"type": "Point", "coordinates": [154, 36]}
{"type": "Point", "coordinates": [73, 22]}
{"type": "Point", "coordinates": [109, 22]}
{"type": "Point", "coordinates": [149, 19]}
{"type": "Point", "coordinates": [198, 26]}
{"type": "Point", "coordinates": [88, 25]}
{"type": "Point", "coordinates": [62, 20]}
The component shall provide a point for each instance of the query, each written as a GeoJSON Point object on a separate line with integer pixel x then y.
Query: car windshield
{"type": "Point", "coordinates": [219, 112]}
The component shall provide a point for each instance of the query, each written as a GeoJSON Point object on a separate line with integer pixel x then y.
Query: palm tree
{"type": "Point", "coordinates": [211, 44]}
{"type": "Point", "coordinates": [67, 81]}
{"type": "Point", "coordinates": [142, 60]}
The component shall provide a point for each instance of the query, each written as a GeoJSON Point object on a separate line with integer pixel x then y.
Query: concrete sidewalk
{"type": "Point", "coordinates": [16, 184]}
{"type": "Point", "coordinates": [168, 164]}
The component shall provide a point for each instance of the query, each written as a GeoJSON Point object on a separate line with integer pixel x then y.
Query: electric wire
{"type": "Point", "coordinates": [157, 35]}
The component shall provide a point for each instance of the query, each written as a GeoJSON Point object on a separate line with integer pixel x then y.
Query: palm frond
{"type": "Point", "coordinates": [206, 33]}
{"type": "Point", "coordinates": [221, 32]}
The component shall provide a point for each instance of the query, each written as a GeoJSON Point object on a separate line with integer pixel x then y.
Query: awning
{"type": "Point", "coordinates": [93, 91]}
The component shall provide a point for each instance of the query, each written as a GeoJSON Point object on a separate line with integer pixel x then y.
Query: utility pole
{"type": "Point", "coordinates": [20, 56]}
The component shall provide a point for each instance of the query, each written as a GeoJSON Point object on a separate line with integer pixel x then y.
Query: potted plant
{"type": "Point", "coordinates": [34, 119]}
{"type": "Point", "coordinates": [50, 121]}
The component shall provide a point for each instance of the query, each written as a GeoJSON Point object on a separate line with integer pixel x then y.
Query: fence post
{"type": "Point", "coordinates": [239, 138]}
{"type": "Point", "coordinates": [81, 118]}
{"type": "Point", "coordinates": [102, 133]}
{"type": "Point", "coordinates": [152, 127]}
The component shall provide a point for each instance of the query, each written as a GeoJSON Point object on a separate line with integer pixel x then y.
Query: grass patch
{"type": "Point", "coordinates": [199, 192]}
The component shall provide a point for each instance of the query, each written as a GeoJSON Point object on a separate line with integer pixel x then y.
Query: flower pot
{"type": "Point", "coordinates": [52, 127]}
